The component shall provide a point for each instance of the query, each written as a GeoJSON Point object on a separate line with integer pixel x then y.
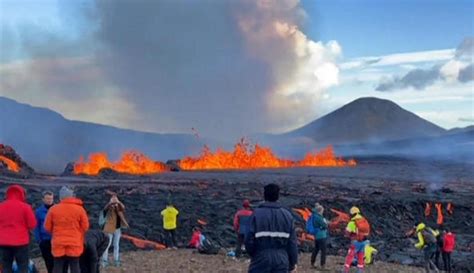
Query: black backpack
{"type": "Point", "coordinates": [208, 247]}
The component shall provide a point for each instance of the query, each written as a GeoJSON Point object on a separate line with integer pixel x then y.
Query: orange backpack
{"type": "Point", "coordinates": [363, 228]}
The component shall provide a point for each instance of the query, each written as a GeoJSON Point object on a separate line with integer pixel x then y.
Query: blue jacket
{"type": "Point", "coordinates": [271, 239]}
{"type": "Point", "coordinates": [40, 233]}
{"type": "Point", "coordinates": [320, 225]}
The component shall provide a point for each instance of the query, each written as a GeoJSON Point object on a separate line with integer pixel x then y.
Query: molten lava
{"type": "Point", "coordinates": [131, 162]}
{"type": "Point", "coordinates": [11, 165]}
{"type": "Point", "coordinates": [440, 218]}
{"type": "Point", "coordinates": [245, 157]}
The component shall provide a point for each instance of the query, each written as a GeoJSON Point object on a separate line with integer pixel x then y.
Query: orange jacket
{"type": "Point", "coordinates": [67, 222]}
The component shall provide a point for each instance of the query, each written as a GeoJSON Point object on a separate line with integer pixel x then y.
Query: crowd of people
{"type": "Point", "coordinates": [267, 232]}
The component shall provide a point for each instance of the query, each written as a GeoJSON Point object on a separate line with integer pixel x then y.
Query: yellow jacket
{"type": "Point", "coordinates": [369, 251]}
{"type": "Point", "coordinates": [170, 215]}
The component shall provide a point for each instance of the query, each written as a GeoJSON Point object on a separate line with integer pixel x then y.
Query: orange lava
{"type": "Point", "coordinates": [131, 162]}
{"type": "Point", "coordinates": [257, 157]}
{"type": "Point", "coordinates": [11, 165]}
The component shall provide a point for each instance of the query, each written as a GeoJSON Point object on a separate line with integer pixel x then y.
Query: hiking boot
{"type": "Point", "coordinates": [323, 268]}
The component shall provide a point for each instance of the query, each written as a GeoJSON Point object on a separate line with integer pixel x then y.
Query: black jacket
{"type": "Point", "coordinates": [96, 243]}
{"type": "Point", "coordinates": [271, 240]}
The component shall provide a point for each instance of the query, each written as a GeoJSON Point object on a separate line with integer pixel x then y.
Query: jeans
{"type": "Point", "coordinates": [319, 245]}
{"type": "Point", "coordinates": [115, 239]}
{"type": "Point", "coordinates": [447, 261]}
{"type": "Point", "coordinates": [17, 253]}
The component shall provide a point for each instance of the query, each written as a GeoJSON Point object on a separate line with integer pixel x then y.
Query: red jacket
{"type": "Point", "coordinates": [449, 242]}
{"type": "Point", "coordinates": [243, 213]}
{"type": "Point", "coordinates": [16, 218]}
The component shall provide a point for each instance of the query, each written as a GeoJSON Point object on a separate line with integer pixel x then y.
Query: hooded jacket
{"type": "Point", "coordinates": [40, 233]}
{"type": "Point", "coordinates": [67, 222]}
{"type": "Point", "coordinates": [16, 218]}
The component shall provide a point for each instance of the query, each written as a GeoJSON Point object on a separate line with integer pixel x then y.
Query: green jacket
{"type": "Point", "coordinates": [321, 225]}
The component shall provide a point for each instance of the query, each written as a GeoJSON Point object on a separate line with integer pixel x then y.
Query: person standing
{"type": "Point", "coordinates": [320, 225]}
{"type": "Point", "coordinates": [426, 242]}
{"type": "Point", "coordinates": [170, 219]}
{"type": "Point", "coordinates": [42, 237]}
{"type": "Point", "coordinates": [67, 222]}
{"type": "Point", "coordinates": [114, 214]}
{"type": "Point", "coordinates": [358, 230]}
{"type": "Point", "coordinates": [271, 240]}
{"type": "Point", "coordinates": [449, 243]}
{"type": "Point", "coordinates": [16, 221]}
{"type": "Point", "coordinates": [241, 225]}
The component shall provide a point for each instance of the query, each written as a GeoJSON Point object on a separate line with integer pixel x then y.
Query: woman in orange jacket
{"type": "Point", "coordinates": [67, 222]}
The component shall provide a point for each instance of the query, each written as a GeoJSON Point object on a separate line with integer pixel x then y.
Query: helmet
{"type": "Point", "coordinates": [354, 210]}
{"type": "Point", "coordinates": [420, 226]}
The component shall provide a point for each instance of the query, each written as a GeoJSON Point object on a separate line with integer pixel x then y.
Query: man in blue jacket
{"type": "Point", "coordinates": [271, 239]}
{"type": "Point", "coordinates": [42, 237]}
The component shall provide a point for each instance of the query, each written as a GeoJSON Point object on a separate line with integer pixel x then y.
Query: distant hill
{"type": "Point", "coordinates": [367, 120]}
{"type": "Point", "coordinates": [461, 130]}
{"type": "Point", "coordinates": [47, 141]}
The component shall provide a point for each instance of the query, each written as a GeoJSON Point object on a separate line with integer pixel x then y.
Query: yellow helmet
{"type": "Point", "coordinates": [354, 210]}
{"type": "Point", "coordinates": [420, 227]}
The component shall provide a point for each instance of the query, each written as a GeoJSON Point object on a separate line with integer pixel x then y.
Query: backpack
{"type": "Point", "coordinates": [208, 247]}
{"type": "Point", "coordinates": [449, 242]}
{"type": "Point", "coordinates": [363, 228]}
{"type": "Point", "coordinates": [429, 236]}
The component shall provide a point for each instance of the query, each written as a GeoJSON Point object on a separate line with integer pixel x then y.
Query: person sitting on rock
{"type": "Point", "coordinates": [196, 239]}
{"type": "Point", "coordinates": [170, 217]}
{"type": "Point", "coordinates": [358, 229]}
{"type": "Point", "coordinates": [67, 222]}
{"type": "Point", "coordinates": [426, 242]}
{"type": "Point", "coordinates": [95, 244]}
{"type": "Point", "coordinates": [113, 216]}
{"type": "Point", "coordinates": [241, 225]}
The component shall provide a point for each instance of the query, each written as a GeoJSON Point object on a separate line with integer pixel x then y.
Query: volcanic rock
{"type": "Point", "coordinates": [8, 152]}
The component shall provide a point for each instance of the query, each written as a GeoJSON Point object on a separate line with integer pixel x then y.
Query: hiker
{"type": "Point", "coordinates": [320, 232]}
{"type": "Point", "coordinates": [196, 239]}
{"type": "Point", "coordinates": [67, 223]}
{"type": "Point", "coordinates": [426, 242]}
{"type": "Point", "coordinates": [113, 220]}
{"type": "Point", "coordinates": [449, 243]}
{"type": "Point", "coordinates": [16, 221]}
{"type": "Point", "coordinates": [241, 225]}
{"type": "Point", "coordinates": [358, 229]}
{"type": "Point", "coordinates": [95, 244]}
{"type": "Point", "coordinates": [170, 214]}
{"type": "Point", "coordinates": [271, 241]}
{"type": "Point", "coordinates": [439, 245]}
{"type": "Point", "coordinates": [42, 237]}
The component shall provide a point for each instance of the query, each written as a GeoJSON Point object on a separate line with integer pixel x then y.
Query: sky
{"type": "Point", "coordinates": [236, 67]}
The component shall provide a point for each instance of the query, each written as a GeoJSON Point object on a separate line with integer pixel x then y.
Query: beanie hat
{"type": "Point", "coordinates": [65, 192]}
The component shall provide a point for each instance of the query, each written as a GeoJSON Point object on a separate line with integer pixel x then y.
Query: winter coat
{"type": "Point", "coordinates": [40, 233]}
{"type": "Point", "coordinates": [320, 225]}
{"type": "Point", "coordinates": [114, 213]}
{"type": "Point", "coordinates": [67, 222]}
{"type": "Point", "coordinates": [271, 241]}
{"type": "Point", "coordinates": [16, 218]}
{"type": "Point", "coordinates": [242, 221]}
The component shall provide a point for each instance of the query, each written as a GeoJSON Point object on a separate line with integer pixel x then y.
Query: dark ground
{"type": "Point", "coordinates": [391, 193]}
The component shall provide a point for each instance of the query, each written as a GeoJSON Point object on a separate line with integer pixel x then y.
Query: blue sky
{"type": "Point", "coordinates": [405, 51]}
{"type": "Point", "coordinates": [374, 27]}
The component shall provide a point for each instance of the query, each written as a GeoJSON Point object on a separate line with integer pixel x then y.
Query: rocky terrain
{"type": "Point", "coordinates": [392, 193]}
